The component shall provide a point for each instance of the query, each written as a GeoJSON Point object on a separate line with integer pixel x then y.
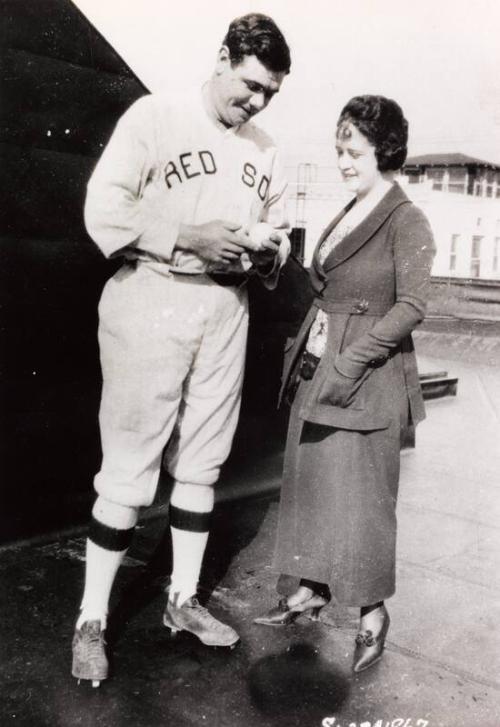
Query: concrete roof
{"type": "Point", "coordinates": [447, 159]}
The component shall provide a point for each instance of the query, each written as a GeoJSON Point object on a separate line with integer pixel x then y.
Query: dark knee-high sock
{"type": "Point", "coordinates": [365, 610]}
{"type": "Point", "coordinates": [321, 589]}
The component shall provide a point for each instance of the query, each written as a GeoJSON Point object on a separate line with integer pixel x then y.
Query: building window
{"type": "Point", "coordinates": [475, 257]}
{"type": "Point", "coordinates": [436, 178]}
{"type": "Point", "coordinates": [413, 176]}
{"type": "Point", "coordinates": [453, 252]}
{"type": "Point", "coordinates": [496, 250]}
{"type": "Point", "coordinates": [457, 180]}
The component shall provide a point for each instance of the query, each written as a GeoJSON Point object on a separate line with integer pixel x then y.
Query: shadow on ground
{"type": "Point", "coordinates": [230, 533]}
{"type": "Point", "coordinates": [299, 682]}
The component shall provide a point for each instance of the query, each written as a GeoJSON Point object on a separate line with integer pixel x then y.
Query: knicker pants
{"type": "Point", "coordinates": [172, 353]}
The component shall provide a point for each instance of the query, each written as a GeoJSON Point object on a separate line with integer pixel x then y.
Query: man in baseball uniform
{"type": "Point", "coordinates": [191, 193]}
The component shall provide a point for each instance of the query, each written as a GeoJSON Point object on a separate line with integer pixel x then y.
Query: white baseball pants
{"type": "Point", "coordinates": [172, 355]}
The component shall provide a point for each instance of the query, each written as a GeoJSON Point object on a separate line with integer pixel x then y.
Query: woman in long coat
{"type": "Point", "coordinates": [353, 376]}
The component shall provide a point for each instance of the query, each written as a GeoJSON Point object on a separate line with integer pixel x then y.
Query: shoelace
{"type": "Point", "coordinates": [93, 642]}
{"type": "Point", "coordinates": [205, 613]}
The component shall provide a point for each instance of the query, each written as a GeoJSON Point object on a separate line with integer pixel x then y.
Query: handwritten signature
{"type": "Point", "coordinates": [398, 722]}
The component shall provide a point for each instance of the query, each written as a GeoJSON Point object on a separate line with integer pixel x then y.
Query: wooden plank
{"type": "Point", "coordinates": [432, 375]}
{"type": "Point", "coordinates": [436, 388]}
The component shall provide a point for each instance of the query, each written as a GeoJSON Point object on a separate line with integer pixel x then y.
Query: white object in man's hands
{"type": "Point", "coordinates": [259, 233]}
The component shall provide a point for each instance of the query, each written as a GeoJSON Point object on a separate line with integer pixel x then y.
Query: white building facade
{"type": "Point", "coordinates": [460, 196]}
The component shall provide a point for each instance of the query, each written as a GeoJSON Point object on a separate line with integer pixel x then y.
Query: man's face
{"type": "Point", "coordinates": [242, 91]}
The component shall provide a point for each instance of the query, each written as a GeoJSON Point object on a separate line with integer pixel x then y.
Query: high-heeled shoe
{"type": "Point", "coordinates": [369, 646]}
{"type": "Point", "coordinates": [283, 614]}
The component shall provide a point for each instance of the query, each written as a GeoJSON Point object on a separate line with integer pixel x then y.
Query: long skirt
{"type": "Point", "coordinates": [337, 516]}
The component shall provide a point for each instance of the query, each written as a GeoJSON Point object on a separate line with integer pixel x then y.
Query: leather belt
{"type": "Point", "coordinates": [224, 279]}
{"type": "Point", "coordinates": [354, 306]}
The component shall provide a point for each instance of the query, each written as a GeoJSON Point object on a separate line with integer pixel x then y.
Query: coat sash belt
{"type": "Point", "coordinates": [354, 306]}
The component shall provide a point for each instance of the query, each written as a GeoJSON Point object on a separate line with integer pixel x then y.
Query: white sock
{"type": "Point", "coordinates": [102, 563]}
{"type": "Point", "coordinates": [100, 571]}
{"type": "Point", "coordinates": [188, 542]}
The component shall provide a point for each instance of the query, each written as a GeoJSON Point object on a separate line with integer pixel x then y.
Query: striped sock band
{"type": "Point", "coordinates": [194, 522]}
{"type": "Point", "coordinates": [109, 538]}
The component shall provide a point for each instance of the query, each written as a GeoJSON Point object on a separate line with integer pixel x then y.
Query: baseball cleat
{"type": "Point", "coordinates": [89, 654]}
{"type": "Point", "coordinates": [196, 619]}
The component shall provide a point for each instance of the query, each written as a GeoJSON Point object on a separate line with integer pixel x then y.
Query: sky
{"type": "Point", "coordinates": [438, 59]}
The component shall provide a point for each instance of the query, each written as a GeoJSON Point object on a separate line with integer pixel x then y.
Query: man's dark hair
{"type": "Point", "coordinates": [258, 35]}
{"type": "Point", "coordinates": [381, 120]}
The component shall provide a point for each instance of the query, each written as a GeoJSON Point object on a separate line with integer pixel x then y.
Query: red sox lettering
{"type": "Point", "coordinates": [203, 161]}
{"type": "Point", "coordinates": [192, 164]}
{"type": "Point", "coordinates": [249, 178]}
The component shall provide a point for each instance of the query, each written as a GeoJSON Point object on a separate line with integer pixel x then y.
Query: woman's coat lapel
{"type": "Point", "coordinates": [364, 231]}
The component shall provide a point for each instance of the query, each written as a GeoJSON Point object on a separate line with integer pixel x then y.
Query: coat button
{"type": "Point", "coordinates": [361, 306]}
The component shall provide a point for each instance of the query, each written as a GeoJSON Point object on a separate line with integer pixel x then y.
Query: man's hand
{"type": "Point", "coordinates": [217, 241]}
{"type": "Point", "coordinates": [266, 255]}
{"type": "Point", "coordinates": [265, 243]}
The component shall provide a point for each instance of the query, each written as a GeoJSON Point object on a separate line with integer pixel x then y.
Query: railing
{"type": "Point", "coordinates": [436, 384]}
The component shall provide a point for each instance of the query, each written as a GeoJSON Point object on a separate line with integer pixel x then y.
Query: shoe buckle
{"type": "Point", "coordinates": [366, 639]}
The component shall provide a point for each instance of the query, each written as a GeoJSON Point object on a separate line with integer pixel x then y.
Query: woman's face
{"type": "Point", "coordinates": [356, 160]}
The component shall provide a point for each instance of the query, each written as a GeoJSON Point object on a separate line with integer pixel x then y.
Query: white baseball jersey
{"type": "Point", "coordinates": [168, 163]}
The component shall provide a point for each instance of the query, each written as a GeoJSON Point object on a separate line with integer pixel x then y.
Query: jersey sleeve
{"type": "Point", "coordinates": [124, 205]}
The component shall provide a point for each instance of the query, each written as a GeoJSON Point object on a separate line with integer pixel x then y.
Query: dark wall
{"type": "Point", "coordinates": [63, 89]}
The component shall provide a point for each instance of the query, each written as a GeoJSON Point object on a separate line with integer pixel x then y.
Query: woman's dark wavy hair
{"type": "Point", "coordinates": [381, 120]}
{"type": "Point", "coordinates": [258, 35]}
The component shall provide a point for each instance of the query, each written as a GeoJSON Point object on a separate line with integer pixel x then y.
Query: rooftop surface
{"type": "Point", "coordinates": [441, 667]}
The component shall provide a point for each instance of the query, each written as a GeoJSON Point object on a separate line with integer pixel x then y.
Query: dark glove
{"type": "Point", "coordinates": [340, 390]}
